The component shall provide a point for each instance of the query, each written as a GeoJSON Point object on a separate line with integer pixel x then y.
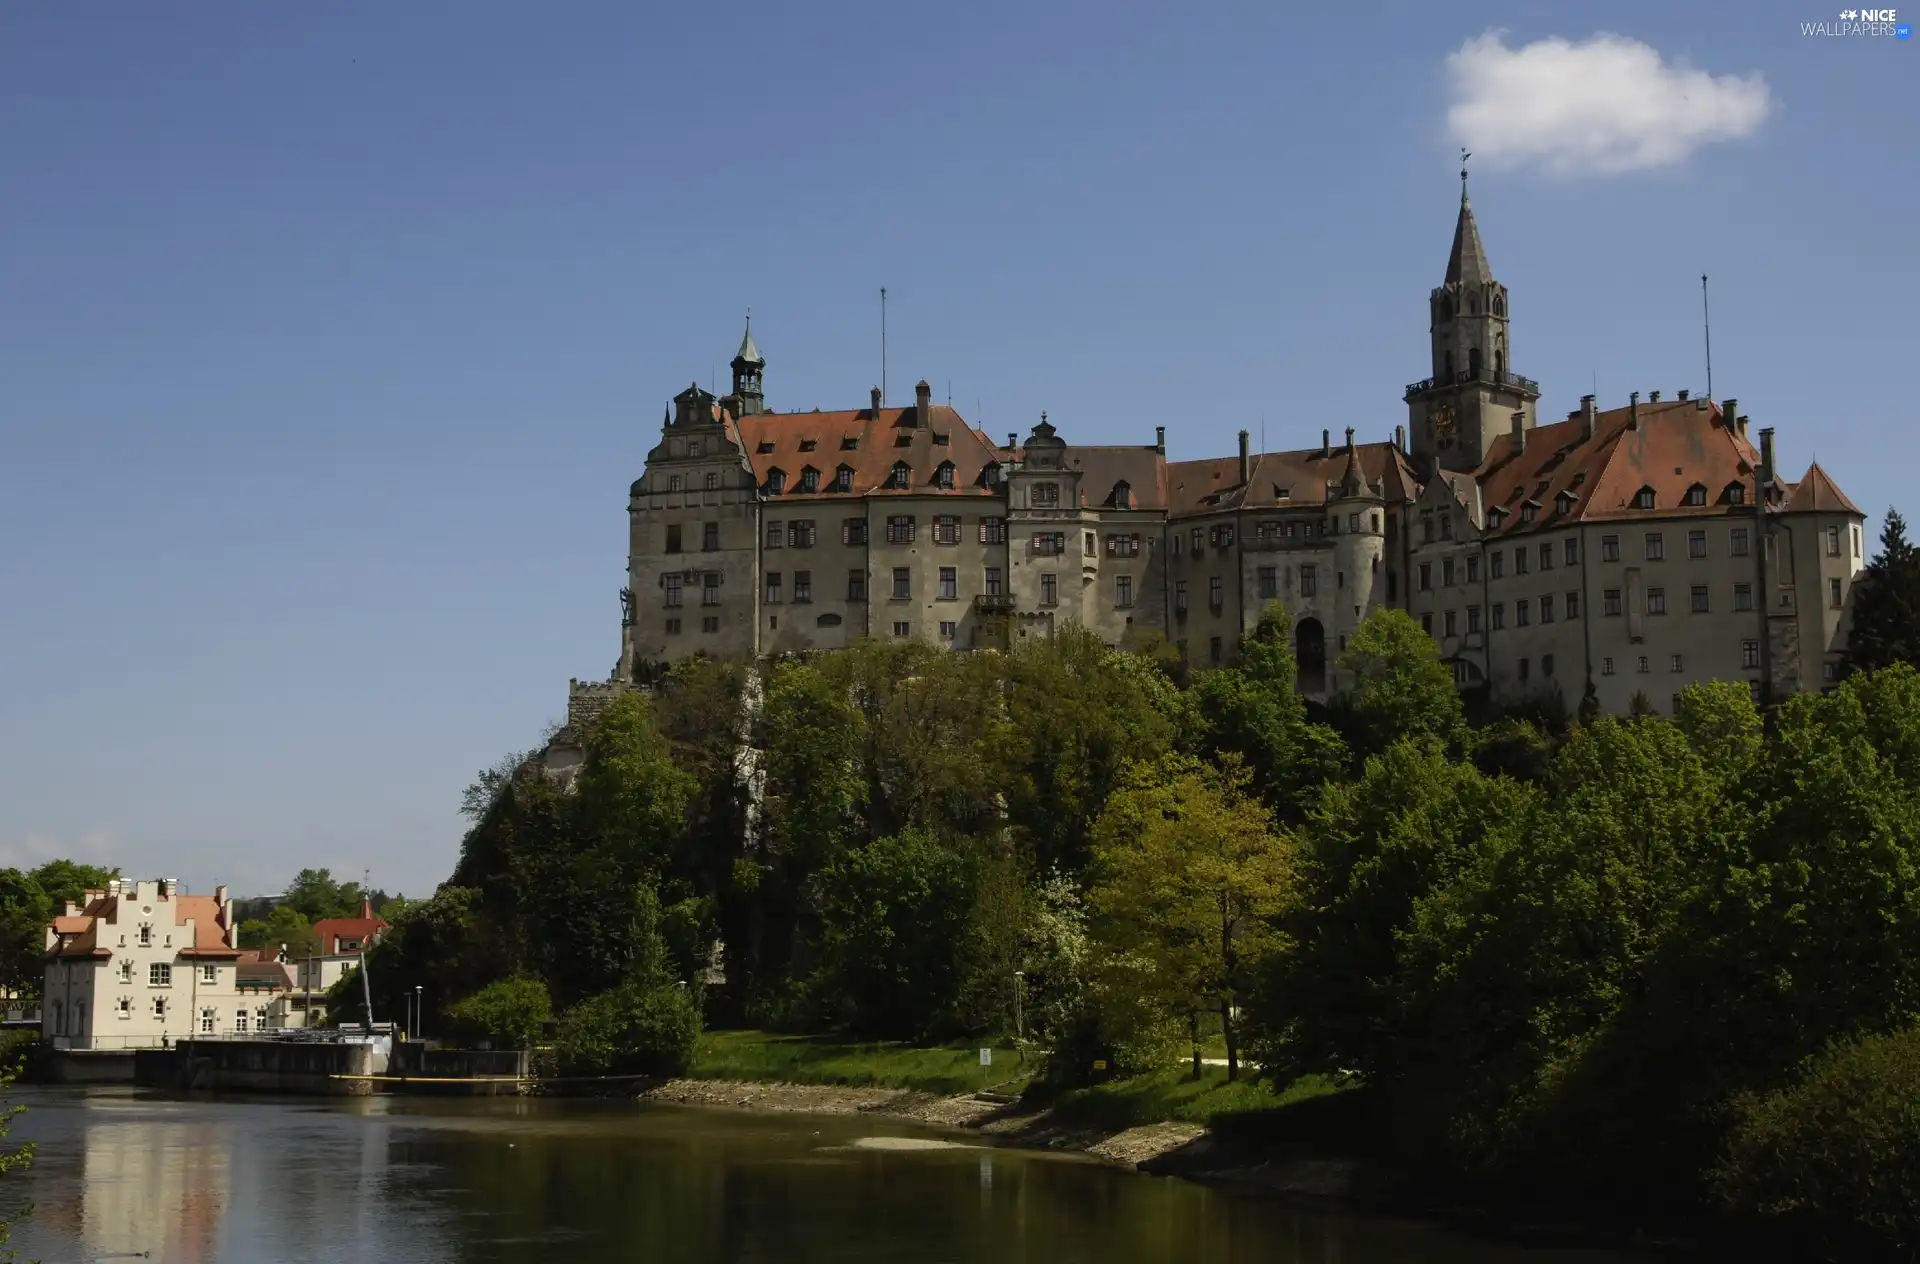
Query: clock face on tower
{"type": "Point", "coordinates": [1443, 420]}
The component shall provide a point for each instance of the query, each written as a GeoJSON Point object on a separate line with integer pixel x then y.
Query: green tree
{"type": "Point", "coordinates": [11, 1159]}
{"type": "Point", "coordinates": [1189, 874]}
{"type": "Point", "coordinates": [25, 912]}
{"type": "Point", "coordinates": [513, 1010]}
{"type": "Point", "coordinates": [1886, 603]}
{"type": "Point", "coordinates": [1252, 710]}
{"type": "Point", "coordinates": [314, 894]}
{"type": "Point", "coordinates": [637, 1028]}
{"type": "Point", "coordinates": [66, 881]}
{"type": "Point", "coordinates": [1400, 688]}
{"type": "Point", "coordinates": [285, 928]}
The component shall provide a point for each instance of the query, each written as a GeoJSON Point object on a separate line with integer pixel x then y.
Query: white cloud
{"type": "Point", "coordinates": [1602, 105]}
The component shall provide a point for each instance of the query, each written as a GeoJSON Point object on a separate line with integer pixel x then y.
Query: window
{"type": "Point", "coordinates": [1856, 541]}
{"type": "Point", "coordinates": [1606, 667]}
{"type": "Point", "coordinates": [1546, 607]}
{"type": "Point", "coordinates": [145, 937]}
{"type": "Point", "coordinates": [1426, 528]}
{"type": "Point", "coordinates": [853, 531]}
{"type": "Point", "coordinates": [1496, 565]}
{"type": "Point", "coordinates": [943, 475]}
{"type": "Point", "coordinates": [1452, 623]}
{"type": "Point", "coordinates": [1309, 579]}
{"type": "Point", "coordinates": [1656, 546]}
{"type": "Point", "coordinates": [123, 1008]}
{"type": "Point", "coordinates": [800, 534]}
{"type": "Point", "coordinates": [713, 481]}
{"type": "Point", "coordinates": [1643, 499]}
{"type": "Point", "coordinates": [856, 585]}
{"type": "Point", "coordinates": [946, 529]}
{"type": "Point", "coordinates": [993, 531]}
{"type": "Point", "coordinates": [1833, 541]}
{"type": "Point", "coordinates": [159, 974]}
{"type": "Point", "coordinates": [947, 628]}
{"type": "Point", "coordinates": [1546, 666]}
{"type": "Point", "coordinates": [1180, 598]}
{"type": "Point", "coordinates": [902, 583]}
{"type": "Point", "coordinates": [1697, 599]}
{"type": "Point", "coordinates": [1499, 615]}
{"type": "Point", "coordinates": [1446, 526]}
{"type": "Point", "coordinates": [773, 588]}
{"type": "Point", "coordinates": [160, 1008]}
{"type": "Point", "coordinates": [206, 1021]}
{"type": "Point", "coordinates": [709, 536]}
{"type": "Point", "coordinates": [1216, 592]}
{"type": "Point", "coordinates": [776, 534]}
{"type": "Point", "coordinates": [1090, 544]}
{"type": "Point", "coordinates": [1044, 495]}
{"type": "Point", "coordinates": [1656, 601]}
{"type": "Point", "coordinates": [1426, 623]}
{"type": "Point", "coordinates": [1696, 495]}
{"type": "Point", "coordinates": [1520, 560]}
{"type": "Point", "coordinates": [1426, 577]}
{"type": "Point", "coordinates": [1123, 546]}
{"type": "Point", "coordinates": [901, 475]}
{"type": "Point", "coordinates": [1674, 663]}
{"type": "Point", "coordinates": [1524, 664]}
{"type": "Point", "coordinates": [802, 586]}
{"type": "Point", "coordinates": [1743, 596]}
{"type": "Point", "coordinates": [1736, 493]}
{"type": "Point", "coordinates": [240, 1020]}
{"type": "Point", "coordinates": [1446, 572]}
{"type": "Point", "coordinates": [710, 624]}
{"type": "Point", "coordinates": [1750, 653]}
{"type": "Point", "coordinates": [900, 529]}
{"type": "Point", "coordinates": [1696, 544]}
{"type": "Point", "coordinates": [949, 583]}
{"type": "Point", "coordinates": [843, 478]}
{"type": "Point", "coordinates": [1609, 548]}
{"type": "Point", "coordinates": [1571, 550]}
{"type": "Point", "coordinates": [1573, 605]}
{"type": "Point", "coordinates": [674, 482]}
{"type": "Point", "coordinates": [1213, 650]}
{"type": "Point", "coordinates": [694, 448]}
{"type": "Point", "coordinates": [993, 581]}
{"type": "Point", "coordinates": [673, 537]}
{"type": "Point", "coordinates": [1829, 672]}
{"type": "Point", "coordinates": [1737, 542]}
{"type": "Point", "coordinates": [710, 589]}
{"type": "Point", "coordinates": [1047, 543]}
{"type": "Point", "coordinates": [673, 627]}
{"type": "Point", "coordinates": [1833, 593]}
{"type": "Point", "coordinates": [1546, 555]}
{"type": "Point", "coordinates": [1049, 589]}
{"type": "Point", "coordinates": [1268, 580]}
{"type": "Point", "coordinates": [1473, 619]}
{"type": "Point", "coordinates": [1522, 615]}
{"type": "Point", "coordinates": [209, 974]}
{"type": "Point", "coordinates": [1198, 541]}
{"type": "Point", "coordinates": [1123, 591]}
{"type": "Point", "coordinates": [1473, 568]}
{"type": "Point", "coordinates": [901, 629]}
{"type": "Point", "coordinates": [126, 971]}
{"type": "Point", "coordinates": [776, 482]}
{"type": "Point", "coordinates": [1642, 665]}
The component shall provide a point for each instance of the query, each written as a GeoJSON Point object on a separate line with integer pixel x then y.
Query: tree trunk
{"type": "Point", "coordinates": [1193, 1038]}
{"type": "Point", "coordinates": [1226, 990]}
{"type": "Point", "coordinates": [1226, 1033]}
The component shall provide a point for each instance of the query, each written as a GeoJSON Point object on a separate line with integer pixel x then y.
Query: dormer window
{"type": "Point", "coordinates": [808, 445]}
{"type": "Point", "coordinates": [1528, 510]}
{"type": "Point", "coordinates": [943, 476]}
{"type": "Point", "coordinates": [1643, 499]}
{"type": "Point", "coordinates": [1496, 516]}
{"type": "Point", "coordinates": [991, 474]}
{"type": "Point", "coordinates": [809, 479]}
{"type": "Point", "coordinates": [1122, 495]}
{"type": "Point", "coordinates": [776, 482]}
{"type": "Point", "coordinates": [1045, 495]}
{"type": "Point", "coordinates": [843, 479]}
{"type": "Point", "coordinates": [764, 448]}
{"type": "Point", "coordinates": [1564, 501]}
{"type": "Point", "coordinates": [939, 438]}
{"type": "Point", "coordinates": [849, 442]}
{"type": "Point", "coordinates": [1736, 493]}
{"type": "Point", "coordinates": [1696, 495]}
{"type": "Point", "coordinates": [1282, 493]}
{"type": "Point", "coordinates": [902, 475]}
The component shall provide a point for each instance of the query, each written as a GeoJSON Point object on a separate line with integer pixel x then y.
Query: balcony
{"type": "Point", "coordinates": [993, 603]}
{"type": "Point", "coordinates": [1467, 377]}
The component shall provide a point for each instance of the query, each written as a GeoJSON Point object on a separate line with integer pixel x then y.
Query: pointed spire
{"type": "Point", "coordinates": [1354, 481]}
{"type": "Point", "coordinates": [1468, 262]}
{"type": "Point", "coordinates": [749, 353]}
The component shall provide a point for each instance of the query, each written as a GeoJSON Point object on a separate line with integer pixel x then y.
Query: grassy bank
{"type": "Point", "coordinates": [1173, 1094]}
{"type": "Point", "coordinates": [768, 1057]}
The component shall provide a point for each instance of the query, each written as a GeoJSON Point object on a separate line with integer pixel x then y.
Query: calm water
{"type": "Point", "coordinates": [387, 1179]}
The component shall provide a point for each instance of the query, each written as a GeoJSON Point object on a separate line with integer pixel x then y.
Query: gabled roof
{"type": "Point", "coordinates": [1102, 468]}
{"type": "Point", "coordinates": [80, 932]}
{"type": "Point", "coordinates": [361, 930]}
{"type": "Point", "coordinates": [877, 447]}
{"type": "Point", "coordinates": [1212, 484]}
{"type": "Point", "coordinates": [1818, 493]}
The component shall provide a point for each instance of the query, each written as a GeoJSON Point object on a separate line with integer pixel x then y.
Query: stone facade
{"type": "Point", "coordinates": [1621, 546]}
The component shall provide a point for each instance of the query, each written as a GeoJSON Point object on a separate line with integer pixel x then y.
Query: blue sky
{"type": "Point", "coordinates": [331, 335]}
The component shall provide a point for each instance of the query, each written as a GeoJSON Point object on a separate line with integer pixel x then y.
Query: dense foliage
{"type": "Point", "coordinates": [29, 900]}
{"type": "Point", "coordinates": [1565, 953]}
{"type": "Point", "coordinates": [1886, 603]}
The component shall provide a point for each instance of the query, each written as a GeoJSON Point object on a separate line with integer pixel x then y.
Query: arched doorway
{"type": "Point", "coordinates": [1310, 655]}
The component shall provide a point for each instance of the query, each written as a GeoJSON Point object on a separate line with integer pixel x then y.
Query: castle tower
{"type": "Point", "coordinates": [1467, 402]}
{"type": "Point", "coordinates": [749, 369]}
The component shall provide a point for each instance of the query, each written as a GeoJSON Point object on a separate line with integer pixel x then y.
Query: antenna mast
{"type": "Point", "coordinates": [1706, 322]}
{"type": "Point", "coordinates": [883, 346]}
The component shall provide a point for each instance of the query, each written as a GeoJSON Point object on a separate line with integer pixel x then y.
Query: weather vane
{"type": "Point", "coordinates": [1464, 155]}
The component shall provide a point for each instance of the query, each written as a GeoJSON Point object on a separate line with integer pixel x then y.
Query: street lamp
{"type": "Point", "coordinates": [420, 1011]}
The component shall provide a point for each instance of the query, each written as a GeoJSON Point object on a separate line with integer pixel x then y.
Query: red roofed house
{"type": "Point", "coordinates": [1642, 547]}
{"type": "Point", "coordinates": [139, 964]}
{"type": "Point", "coordinates": [341, 940]}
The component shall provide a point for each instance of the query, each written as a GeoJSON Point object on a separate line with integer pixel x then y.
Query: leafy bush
{"type": "Point", "coordinates": [635, 1029]}
{"type": "Point", "coordinates": [512, 1011]}
{"type": "Point", "coordinates": [1839, 1150]}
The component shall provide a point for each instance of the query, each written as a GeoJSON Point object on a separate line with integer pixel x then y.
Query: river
{"type": "Point", "coordinates": [285, 1181]}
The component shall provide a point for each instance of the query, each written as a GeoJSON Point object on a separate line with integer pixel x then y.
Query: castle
{"type": "Point", "coordinates": [1639, 548]}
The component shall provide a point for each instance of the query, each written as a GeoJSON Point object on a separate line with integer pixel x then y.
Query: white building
{"type": "Point", "coordinates": [142, 964]}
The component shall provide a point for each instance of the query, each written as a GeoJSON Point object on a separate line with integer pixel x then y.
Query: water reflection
{"type": "Point", "coordinates": [534, 1181]}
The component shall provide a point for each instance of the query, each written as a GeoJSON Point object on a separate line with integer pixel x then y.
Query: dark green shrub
{"type": "Point", "coordinates": [1838, 1151]}
{"type": "Point", "coordinates": [510, 1011]}
{"type": "Point", "coordinates": [634, 1029]}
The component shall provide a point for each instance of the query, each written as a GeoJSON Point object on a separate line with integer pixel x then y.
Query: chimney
{"type": "Point", "coordinates": [1586, 416]}
{"type": "Point", "coordinates": [1160, 440]}
{"type": "Point", "coordinates": [922, 404]}
{"type": "Point", "coordinates": [1685, 396]}
{"type": "Point", "coordinates": [1246, 460]}
{"type": "Point", "coordinates": [875, 406]}
{"type": "Point", "coordinates": [220, 894]}
{"type": "Point", "coordinates": [1654, 398]}
{"type": "Point", "coordinates": [113, 886]}
{"type": "Point", "coordinates": [1633, 411]}
{"type": "Point", "coordinates": [1013, 440]}
{"type": "Point", "coordinates": [1730, 413]}
{"type": "Point", "coordinates": [1400, 438]}
{"type": "Point", "coordinates": [1766, 463]}
{"type": "Point", "coordinates": [1326, 443]}
{"type": "Point", "coordinates": [166, 887]}
{"type": "Point", "coordinates": [1520, 432]}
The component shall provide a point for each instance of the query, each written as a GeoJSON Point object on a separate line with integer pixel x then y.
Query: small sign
{"type": "Point", "coordinates": [986, 1057]}
{"type": "Point", "coordinates": [1099, 1064]}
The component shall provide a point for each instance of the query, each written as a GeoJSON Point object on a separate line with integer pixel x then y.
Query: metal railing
{"type": "Point", "coordinates": [1465, 376]}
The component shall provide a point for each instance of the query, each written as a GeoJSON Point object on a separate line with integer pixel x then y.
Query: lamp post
{"type": "Point", "coordinates": [1019, 997]}
{"type": "Point", "coordinates": [420, 1011]}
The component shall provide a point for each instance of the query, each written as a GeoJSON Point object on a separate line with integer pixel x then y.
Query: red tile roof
{"type": "Point", "coordinates": [775, 441]}
{"type": "Point", "coordinates": [209, 934]}
{"type": "Point", "coordinates": [362, 929]}
{"type": "Point", "coordinates": [1817, 493]}
{"type": "Point", "coordinates": [1212, 484]}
